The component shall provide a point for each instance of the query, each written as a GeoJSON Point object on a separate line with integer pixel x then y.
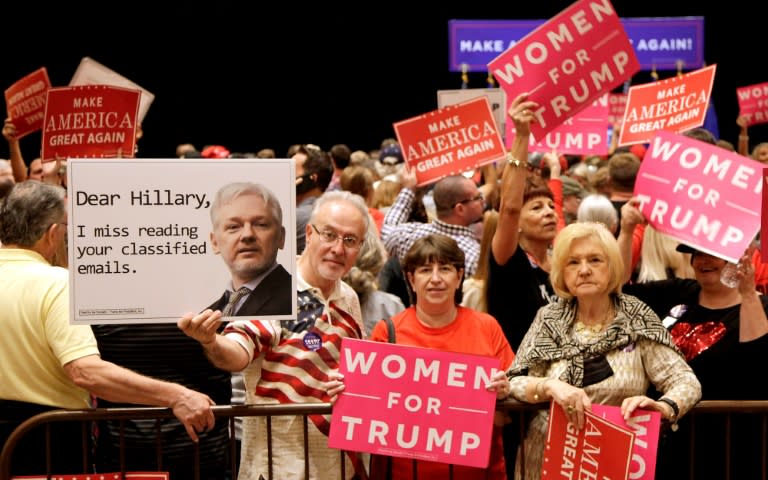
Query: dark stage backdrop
{"type": "Point", "coordinates": [250, 75]}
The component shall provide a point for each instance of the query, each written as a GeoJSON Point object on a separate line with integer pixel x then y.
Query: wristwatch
{"type": "Point", "coordinates": [675, 411]}
{"type": "Point", "coordinates": [515, 162]}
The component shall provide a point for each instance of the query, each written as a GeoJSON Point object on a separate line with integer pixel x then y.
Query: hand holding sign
{"type": "Point", "coordinates": [25, 101]}
{"type": "Point", "coordinates": [521, 112]}
{"type": "Point", "coordinates": [743, 272]}
{"type": "Point", "coordinates": [450, 140]}
{"type": "Point", "coordinates": [700, 194]}
{"type": "Point", "coordinates": [334, 386]}
{"type": "Point", "coordinates": [569, 61]}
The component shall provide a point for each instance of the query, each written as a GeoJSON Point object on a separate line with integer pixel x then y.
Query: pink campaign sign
{"type": "Point", "coordinates": [753, 103]}
{"type": "Point", "coordinates": [414, 402]}
{"type": "Point", "coordinates": [617, 105]}
{"type": "Point", "coordinates": [566, 63]}
{"type": "Point", "coordinates": [586, 133]}
{"type": "Point", "coordinates": [646, 425]}
{"type": "Point", "coordinates": [764, 221]}
{"type": "Point", "coordinates": [700, 194]}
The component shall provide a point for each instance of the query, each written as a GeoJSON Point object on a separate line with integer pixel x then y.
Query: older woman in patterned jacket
{"type": "Point", "coordinates": [594, 345]}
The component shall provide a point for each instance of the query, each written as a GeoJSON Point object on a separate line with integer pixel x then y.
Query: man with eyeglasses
{"type": "Point", "coordinates": [247, 233]}
{"type": "Point", "coordinates": [458, 204]}
{"type": "Point", "coordinates": [289, 361]}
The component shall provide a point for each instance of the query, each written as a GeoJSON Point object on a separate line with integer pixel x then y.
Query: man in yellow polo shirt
{"type": "Point", "coordinates": [48, 363]}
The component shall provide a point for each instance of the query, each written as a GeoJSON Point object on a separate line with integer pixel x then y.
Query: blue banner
{"type": "Point", "coordinates": [658, 42]}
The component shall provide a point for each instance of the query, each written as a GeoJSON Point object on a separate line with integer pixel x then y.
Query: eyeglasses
{"type": "Point", "coordinates": [478, 198]}
{"type": "Point", "coordinates": [349, 241]}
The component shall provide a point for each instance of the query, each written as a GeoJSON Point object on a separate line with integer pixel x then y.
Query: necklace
{"type": "Point", "coordinates": [592, 330]}
{"type": "Point", "coordinates": [587, 330]}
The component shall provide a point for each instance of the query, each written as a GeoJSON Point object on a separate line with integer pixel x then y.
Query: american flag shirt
{"type": "Point", "coordinates": [290, 362]}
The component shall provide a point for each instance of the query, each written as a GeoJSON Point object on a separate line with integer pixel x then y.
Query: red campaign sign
{"type": "Point", "coordinates": [647, 425]}
{"type": "Point", "coordinates": [586, 133]}
{"type": "Point", "coordinates": [753, 103]}
{"type": "Point", "coordinates": [414, 402]}
{"type": "Point", "coordinates": [450, 140]}
{"type": "Point", "coordinates": [92, 121]}
{"type": "Point", "coordinates": [566, 63]}
{"type": "Point", "coordinates": [700, 194]}
{"type": "Point", "coordinates": [600, 450]}
{"type": "Point", "coordinates": [617, 105]}
{"type": "Point", "coordinates": [101, 476]}
{"type": "Point", "coordinates": [675, 105]}
{"type": "Point", "coordinates": [25, 102]}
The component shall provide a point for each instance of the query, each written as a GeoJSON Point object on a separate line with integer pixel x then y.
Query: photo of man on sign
{"type": "Point", "coordinates": [247, 233]}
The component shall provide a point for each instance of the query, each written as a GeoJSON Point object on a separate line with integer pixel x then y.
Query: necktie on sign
{"type": "Point", "coordinates": [234, 298]}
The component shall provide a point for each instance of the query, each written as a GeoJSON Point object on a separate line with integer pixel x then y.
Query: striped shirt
{"type": "Point", "coordinates": [290, 361]}
{"type": "Point", "coordinates": [399, 235]}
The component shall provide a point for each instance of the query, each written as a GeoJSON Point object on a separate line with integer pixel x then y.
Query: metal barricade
{"type": "Point", "coordinates": [723, 410]}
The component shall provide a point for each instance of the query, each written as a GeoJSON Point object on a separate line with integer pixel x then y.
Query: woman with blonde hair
{"type": "Point", "coordinates": [594, 344]}
{"type": "Point", "coordinates": [384, 194]}
{"type": "Point", "coordinates": [659, 259]}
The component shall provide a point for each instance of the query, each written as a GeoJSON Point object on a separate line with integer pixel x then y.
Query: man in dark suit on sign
{"type": "Point", "coordinates": [247, 232]}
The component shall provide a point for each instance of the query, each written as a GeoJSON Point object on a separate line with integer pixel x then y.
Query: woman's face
{"type": "Point", "coordinates": [435, 285]}
{"type": "Point", "coordinates": [761, 154]}
{"type": "Point", "coordinates": [586, 271]}
{"type": "Point", "coordinates": [538, 220]}
{"type": "Point", "coordinates": [707, 268]}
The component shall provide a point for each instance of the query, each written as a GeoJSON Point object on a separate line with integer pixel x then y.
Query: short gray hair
{"type": "Point", "coordinates": [598, 208]}
{"type": "Point", "coordinates": [342, 196]}
{"type": "Point", "coordinates": [29, 210]}
{"type": "Point", "coordinates": [231, 191]}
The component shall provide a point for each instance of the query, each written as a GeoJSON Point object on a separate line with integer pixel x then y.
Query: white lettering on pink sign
{"type": "Point", "coordinates": [414, 402]}
{"type": "Point", "coordinates": [700, 194]}
{"type": "Point", "coordinates": [567, 62]}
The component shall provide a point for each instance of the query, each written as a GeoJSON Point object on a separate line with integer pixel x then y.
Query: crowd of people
{"type": "Point", "coordinates": [544, 262]}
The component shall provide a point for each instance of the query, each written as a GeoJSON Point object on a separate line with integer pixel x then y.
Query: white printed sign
{"type": "Point", "coordinates": [140, 235]}
{"type": "Point", "coordinates": [495, 96]}
{"type": "Point", "coordinates": [91, 72]}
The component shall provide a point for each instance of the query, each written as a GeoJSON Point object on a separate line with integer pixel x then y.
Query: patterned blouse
{"type": "Point", "coordinates": [638, 349]}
